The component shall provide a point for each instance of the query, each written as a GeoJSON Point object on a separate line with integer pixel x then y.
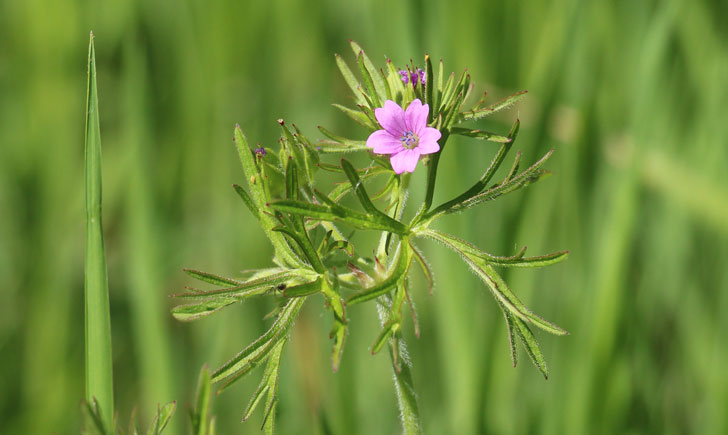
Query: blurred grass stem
{"type": "Point", "coordinates": [99, 384]}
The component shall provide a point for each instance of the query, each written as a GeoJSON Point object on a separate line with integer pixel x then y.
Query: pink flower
{"type": "Point", "coordinates": [406, 135]}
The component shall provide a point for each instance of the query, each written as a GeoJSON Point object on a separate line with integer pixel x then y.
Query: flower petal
{"type": "Point", "coordinates": [391, 117]}
{"type": "Point", "coordinates": [428, 141]}
{"type": "Point", "coordinates": [416, 116]}
{"type": "Point", "coordinates": [405, 160]}
{"type": "Point", "coordinates": [384, 143]}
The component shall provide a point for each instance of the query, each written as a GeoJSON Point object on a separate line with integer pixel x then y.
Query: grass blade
{"type": "Point", "coordinates": [99, 376]}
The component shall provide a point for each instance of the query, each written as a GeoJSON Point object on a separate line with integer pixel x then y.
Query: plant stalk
{"type": "Point", "coordinates": [406, 397]}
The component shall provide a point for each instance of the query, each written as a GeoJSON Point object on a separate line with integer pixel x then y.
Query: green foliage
{"type": "Point", "coordinates": [99, 377]}
{"type": "Point", "coordinates": [628, 93]}
{"type": "Point", "coordinates": [93, 423]}
{"type": "Point", "coordinates": [201, 423]}
{"type": "Point", "coordinates": [306, 270]}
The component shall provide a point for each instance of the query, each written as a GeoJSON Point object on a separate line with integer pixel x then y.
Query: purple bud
{"type": "Point", "coordinates": [405, 76]}
{"type": "Point", "coordinates": [414, 77]}
{"type": "Point", "coordinates": [260, 152]}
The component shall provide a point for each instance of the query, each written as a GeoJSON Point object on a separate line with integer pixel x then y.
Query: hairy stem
{"type": "Point", "coordinates": [409, 413]}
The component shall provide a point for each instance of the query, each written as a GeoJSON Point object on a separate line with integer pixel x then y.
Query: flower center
{"type": "Point", "coordinates": [409, 139]}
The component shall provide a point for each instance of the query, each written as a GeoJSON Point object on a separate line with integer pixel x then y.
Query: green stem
{"type": "Point", "coordinates": [409, 412]}
{"type": "Point", "coordinates": [99, 385]}
{"type": "Point", "coordinates": [406, 397]}
{"type": "Point", "coordinates": [432, 174]}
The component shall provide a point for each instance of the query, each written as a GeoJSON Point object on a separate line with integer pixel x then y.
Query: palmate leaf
{"type": "Point", "coordinates": [474, 258]}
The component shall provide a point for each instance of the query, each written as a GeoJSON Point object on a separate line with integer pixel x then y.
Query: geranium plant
{"type": "Point", "coordinates": [410, 114]}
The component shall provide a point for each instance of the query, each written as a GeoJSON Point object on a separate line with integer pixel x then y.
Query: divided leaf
{"type": "Point", "coordinates": [190, 312]}
{"type": "Point", "coordinates": [249, 357]}
{"type": "Point", "coordinates": [334, 212]}
{"type": "Point", "coordinates": [475, 259]}
{"type": "Point", "coordinates": [489, 110]}
{"type": "Point", "coordinates": [480, 134]}
{"type": "Point", "coordinates": [249, 288]}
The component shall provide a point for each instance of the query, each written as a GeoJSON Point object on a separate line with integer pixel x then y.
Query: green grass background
{"type": "Point", "coordinates": [631, 94]}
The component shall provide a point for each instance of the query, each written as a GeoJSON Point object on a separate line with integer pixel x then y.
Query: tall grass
{"type": "Point", "coordinates": [631, 94]}
{"type": "Point", "coordinates": [99, 371]}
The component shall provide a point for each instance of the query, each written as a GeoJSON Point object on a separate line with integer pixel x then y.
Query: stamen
{"type": "Point", "coordinates": [409, 139]}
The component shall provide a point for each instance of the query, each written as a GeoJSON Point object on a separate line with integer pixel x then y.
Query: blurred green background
{"type": "Point", "coordinates": [633, 96]}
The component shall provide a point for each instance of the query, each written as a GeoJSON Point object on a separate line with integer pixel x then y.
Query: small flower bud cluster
{"type": "Point", "coordinates": [414, 76]}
